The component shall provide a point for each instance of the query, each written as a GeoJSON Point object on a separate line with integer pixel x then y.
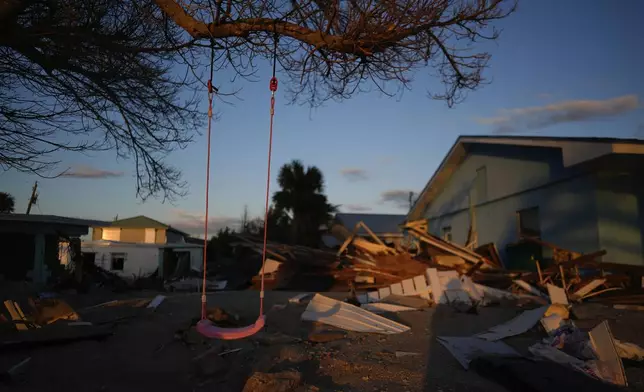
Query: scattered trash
{"type": "Point", "coordinates": [298, 299]}
{"type": "Point", "coordinates": [629, 350]}
{"type": "Point", "coordinates": [516, 326]}
{"type": "Point", "coordinates": [156, 302]}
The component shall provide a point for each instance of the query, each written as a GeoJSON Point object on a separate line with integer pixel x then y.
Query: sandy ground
{"type": "Point", "coordinates": [149, 351]}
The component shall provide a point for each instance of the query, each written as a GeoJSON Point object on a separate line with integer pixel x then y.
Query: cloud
{"type": "Point", "coordinates": [399, 197]}
{"type": "Point", "coordinates": [193, 222]}
{"type": "Point", "coordinates": [84, 171]}
{"type": "Point", "coordinates": [354, 174]}
{"type": "Point", "coordinates": [357, 208]}
{"type": "Point", "coordinates": [537, 117]}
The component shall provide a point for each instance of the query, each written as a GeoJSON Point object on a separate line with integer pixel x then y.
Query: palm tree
{"type": "Point", "coordinates": [7, 203]}
{"type": "Point", "coordinates": [302, 198]}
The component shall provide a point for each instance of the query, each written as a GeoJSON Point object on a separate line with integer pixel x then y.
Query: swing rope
{"type": "Point", "coordinates": [205, 237]}
{"type": "Point", "coordinates": [207, 329]}
{"type": "Point", "coordinates": [272, 86]}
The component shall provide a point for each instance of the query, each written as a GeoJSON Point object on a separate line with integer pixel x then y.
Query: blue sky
{"type": "Point", "coordinates": [551, 57]}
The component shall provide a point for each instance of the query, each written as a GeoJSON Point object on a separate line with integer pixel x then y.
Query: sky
{"type": "Point", "coordinates": [559, 68]}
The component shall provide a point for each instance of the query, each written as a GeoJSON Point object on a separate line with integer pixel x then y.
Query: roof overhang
{"type": "Point", "coordinates": [574, 151]}
{"type": "Point", "coordinates": [45, 224]}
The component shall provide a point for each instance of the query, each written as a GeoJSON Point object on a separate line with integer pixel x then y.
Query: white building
{"type": "Point", "coordinates": [139, 246]}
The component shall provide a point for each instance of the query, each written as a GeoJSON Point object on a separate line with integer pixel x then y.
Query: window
{"type": "Point", "coordinates": [446, 233]}
{"type": "Point", "coordinates": [118, 261]}
{"type": "Point", "coordinates": [528, 222]}
{"type": "Point", "coordinates": [481, 185]}
{"type": "Point", "coordinates": [150, 236]}
{"type": "Point", "coordinates": [110, 234]}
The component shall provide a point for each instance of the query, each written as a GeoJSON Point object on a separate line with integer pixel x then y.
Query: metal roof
{"type": "Point", "coordinates": [50, 219]}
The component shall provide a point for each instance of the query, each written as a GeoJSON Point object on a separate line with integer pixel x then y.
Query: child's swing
{"type": "Point", "coordinates": [205, 326]}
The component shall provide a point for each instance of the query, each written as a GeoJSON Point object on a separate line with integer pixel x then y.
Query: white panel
{"type": "Point", "coordinates": [396, 289]}
{"type": "Point", "coordinates": [112, 234]}
{"type": "Point", "coordinates": [421, 286]}
{"type": "Point", "coordinates": [384, 292]}
{"type": "Point", "coordinates": [408, 287]}
{"type": "Point", "coordinates": [437, 287]}
{"type": "Point", "coordinates": [150, 236]}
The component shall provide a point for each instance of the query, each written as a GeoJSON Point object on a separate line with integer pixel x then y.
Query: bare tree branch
{"type": "Point", "coordinates": [127, 76]}
{"type": "Point", "coordinates": [330, 48]}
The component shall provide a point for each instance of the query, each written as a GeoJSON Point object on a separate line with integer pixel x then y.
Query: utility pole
{"type": "Point", "coordinates": [33, 198]}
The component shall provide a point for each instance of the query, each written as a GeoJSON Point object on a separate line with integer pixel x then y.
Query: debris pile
{"type": "Point", "coordinates": [366, 262]}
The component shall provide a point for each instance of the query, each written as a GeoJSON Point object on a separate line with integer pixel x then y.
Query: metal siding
{"type": "Point", "coordinates": [620, 200]}
{"type": "Point", "coordinates": [173, 237]}
{"type": "Point", "coordinates": [509, 170]}
{"type": "Point", "coordinates": [518, 178]}
{"type": "Point", "coordinates": [567, 217]}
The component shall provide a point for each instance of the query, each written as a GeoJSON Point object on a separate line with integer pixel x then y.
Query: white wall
{"type": "Point", "coordinates": [140, 261]}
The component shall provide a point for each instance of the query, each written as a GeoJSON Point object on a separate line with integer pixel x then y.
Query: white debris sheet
{"type": "Point", "coordinates": [298, 299]}
{"type": "Point", "coordinates": [381, 307]}
{"type": "Point", "coordinates": [156, 302]}
{"type": "Point", "coordinates": [349, 317]}
{"type": "Point", "coordinates": [516, 326]}
{"type": "Point", "coordinates": [465, 349]}
{"type": "Point", "coordinates": [529, 288]}
{"type": "Point", "coordinates": [608, 360]}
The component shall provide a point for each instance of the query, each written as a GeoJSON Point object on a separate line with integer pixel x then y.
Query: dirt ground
{"type": "Point", "coordinates": [155, 350]}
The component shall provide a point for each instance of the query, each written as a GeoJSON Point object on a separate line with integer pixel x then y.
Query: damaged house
{"type": "Point", "coordinates": [141, 246]}
{"type": "Point", "coordinates": [522, 193]}
{"type": "Point", "coordinates": [32, 244]}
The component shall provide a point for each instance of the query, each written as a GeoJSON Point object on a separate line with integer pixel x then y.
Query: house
{"type": "Point", "coordinates": [384, 226]}
{"type": "Point", "coordinates": [141, 246]}
{"type": "Point", "coordinates": [582, 194]}
{"type": "Point", "coordinates": [31, 244]}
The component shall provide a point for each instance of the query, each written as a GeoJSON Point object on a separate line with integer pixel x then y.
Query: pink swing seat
{"type": "Point", "coordinates": [208, 329]}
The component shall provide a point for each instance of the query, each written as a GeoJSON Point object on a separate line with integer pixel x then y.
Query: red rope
{"type": "Point", "coordinates": [205, 237]}
{"type": "Point", "coordinates": [273, 87]}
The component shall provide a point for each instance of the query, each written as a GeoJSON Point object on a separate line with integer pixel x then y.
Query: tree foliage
{"type": "Point", "coordinates": [7, 203]}
{"type": "Point", "coordinates": [302, 197]}
{"type": "Point", "coordinates": [95, 75]}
